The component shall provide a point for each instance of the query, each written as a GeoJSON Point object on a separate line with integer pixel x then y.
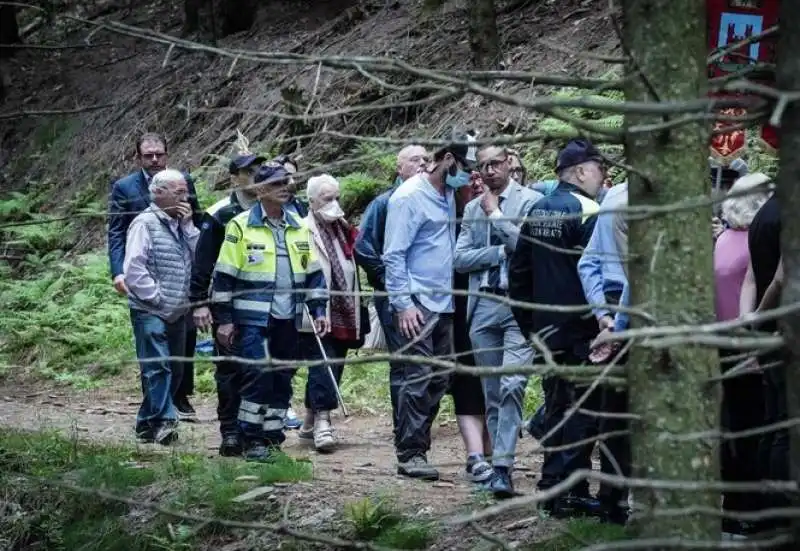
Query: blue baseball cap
{"type": "Point", "coordinates": [243, 161]}
{"type": "Point", "coordinates": [577, 151]}
{"type": "Point", "coordinates": [272, 173]}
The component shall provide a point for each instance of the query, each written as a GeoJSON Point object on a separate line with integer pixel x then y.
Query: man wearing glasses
{"type": "Point", "coordinates": [544, 270]}
{"type": "Point", "coordinates": [489, 233]}
{"type": "Point", "coordinates": [129, 197]}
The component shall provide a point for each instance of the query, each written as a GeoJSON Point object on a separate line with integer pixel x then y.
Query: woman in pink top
{"type": "Point", "coordinates": [742, 401]}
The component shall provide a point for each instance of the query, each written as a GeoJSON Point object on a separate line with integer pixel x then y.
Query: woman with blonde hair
{"type": "Point", "coordinates": [333, 243]}
{"type": "Point", "coordinates": [742, 398]}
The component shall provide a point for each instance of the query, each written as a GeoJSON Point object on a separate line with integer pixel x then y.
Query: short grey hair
{"type": "Point", "coordinates": [316, 183]}
{"type": "Point", "coordinates": [739, 211]}
{"type": "Point", "coordinates": [161, 179]}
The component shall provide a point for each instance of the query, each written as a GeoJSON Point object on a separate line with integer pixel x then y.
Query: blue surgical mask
{"type": "Point", "coordinates": [460, 179]}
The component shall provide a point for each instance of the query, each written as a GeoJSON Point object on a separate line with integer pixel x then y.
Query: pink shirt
{"type": "Point", "coordinates": [731, 259]}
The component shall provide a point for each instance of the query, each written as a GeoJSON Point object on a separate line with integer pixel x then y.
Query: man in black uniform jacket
{"type": "Point", "coordinates": [212, 234]}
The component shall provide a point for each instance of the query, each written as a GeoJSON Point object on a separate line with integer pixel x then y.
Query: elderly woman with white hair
{"type": "Point", "coordinates": [742, 401]}
{"type": "Point", "coordinates": [333, 243]}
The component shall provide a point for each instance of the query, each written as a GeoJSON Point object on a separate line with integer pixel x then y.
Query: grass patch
{"type": "Point", "coordinates": [49, 516]}
{"type": "Point", "coordinates": [579, 534]}
{"type": "Point", "coordinates": [380, 521]}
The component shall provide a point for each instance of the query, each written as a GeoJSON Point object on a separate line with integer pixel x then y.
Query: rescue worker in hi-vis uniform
{"type": "Point", "coordinates": [265, 276]}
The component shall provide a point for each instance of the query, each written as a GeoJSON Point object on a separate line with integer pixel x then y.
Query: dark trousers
{"type": "Point", "coordinates": [320, 393]}
{"type": "Point", "coordinates": [422, 387]}
{"type": "Point", "coordinates": [614, 401]}
{"type": "Point", "coordinates": [227, 376]}
{"type": "Point", "coordinates": [393, 342]}
{"type": "Point", "coordinates": [267, 387]}
{"type": "Point", "coordinates": [185, 387]}
{"type": "Point", "coordinates": [559, 395]}
{"type": "Point", "coordinates": [773, 449]}
{"type": "Point", "coordinates": [742, 402]}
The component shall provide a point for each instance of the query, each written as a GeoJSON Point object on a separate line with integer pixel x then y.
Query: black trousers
{"type": "Point", "coordinates": [227, 376]}
{"type": "Point", "coordinates": [559, 395]}
{"type": "Point", "coordinates": [743, 408]}
{"type": "Point", "coordinates": [186, 386]}
{"type": "Point", "coordinates": [320, 393]}
{"type": "Point", "coordinates": [773, 451]}
{"type": "Point", "coordinates": [422, 387]}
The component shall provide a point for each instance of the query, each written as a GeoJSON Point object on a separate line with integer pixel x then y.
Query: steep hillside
{"type": "Point", "coordinates": [122, 85]}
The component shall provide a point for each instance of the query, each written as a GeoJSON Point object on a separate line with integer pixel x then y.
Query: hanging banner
{"type": "Point", "coordinates": [729, 145]}
{"type": "Point", "coordinates": [732, 21]}
{"type": "Point", "coordinates": [769, 138]}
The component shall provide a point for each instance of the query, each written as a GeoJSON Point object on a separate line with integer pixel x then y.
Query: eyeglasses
{"type": "Point", "coordinates": [494, 164]}
{"type": "Point", "coordinates": [419, 159]}
{"type": "Point", "coordinates": [153, 156]}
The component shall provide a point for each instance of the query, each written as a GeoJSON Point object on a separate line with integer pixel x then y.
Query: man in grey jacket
{"type": "Point", "coordinates": [489, 233]}
{"type": "Point", "coordinates": [158, 266]}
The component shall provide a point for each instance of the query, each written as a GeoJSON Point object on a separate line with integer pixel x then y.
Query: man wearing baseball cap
{"type": "Point", "coordinates": [265, 276]}
{"type": "Point", "coordinates": [212, 233]}
{"type": "Point", "coordinates": [418, 256]}
{"type": "Point", "coordinates": [543, 270]}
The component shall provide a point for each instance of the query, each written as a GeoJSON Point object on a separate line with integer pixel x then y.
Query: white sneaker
{"type": "Point", "coordinates": [324, 438]}
{"type": "Point", "coordinates": [291, 421]}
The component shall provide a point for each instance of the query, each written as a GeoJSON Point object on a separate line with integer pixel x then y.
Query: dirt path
{"type": "Point", "coordinates": [364, 465]}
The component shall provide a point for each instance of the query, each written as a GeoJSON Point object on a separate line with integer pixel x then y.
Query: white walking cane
{"type": "Point", "coordinates": [327, 365]}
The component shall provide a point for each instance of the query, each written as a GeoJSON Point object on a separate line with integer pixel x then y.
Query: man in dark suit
{"type": "Point", "coordinates": [129, 197]}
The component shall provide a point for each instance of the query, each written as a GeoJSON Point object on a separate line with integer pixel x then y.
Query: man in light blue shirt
{"type": "Point", "coordinates": [600, 267]}
{"type": "Point", "coordinates": [604, 278]}
{"type": "Point", "coordinates": [418, 257]}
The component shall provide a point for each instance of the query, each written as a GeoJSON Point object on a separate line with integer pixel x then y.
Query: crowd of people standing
{"type": "Point", "coordinates": [276, 281]}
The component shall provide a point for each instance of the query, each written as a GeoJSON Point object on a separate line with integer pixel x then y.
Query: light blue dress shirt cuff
{"type": "Point", "coordinates": [622, 319]}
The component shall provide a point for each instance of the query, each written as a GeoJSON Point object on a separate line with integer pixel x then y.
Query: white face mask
{"type": "Point", "coordinates": [331, 211]}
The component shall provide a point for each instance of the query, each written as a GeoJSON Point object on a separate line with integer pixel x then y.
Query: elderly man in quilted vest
{"type": "Point", "coordinates": [158, 265]}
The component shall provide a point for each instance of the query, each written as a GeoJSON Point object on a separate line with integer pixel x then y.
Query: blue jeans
{"type": "Point", "coordinates": [156, 339]}
{"type": "Point", "coordinates": [266, 391]}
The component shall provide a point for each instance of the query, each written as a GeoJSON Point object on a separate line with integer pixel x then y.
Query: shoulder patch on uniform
{"type": "Point", "coordinates": [232, 238]}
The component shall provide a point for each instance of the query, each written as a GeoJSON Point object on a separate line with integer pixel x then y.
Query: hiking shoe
{"type": "Point", "coordinates": [145, 435]}
{"type": "Point", "coordinates": [259, 452]}
{"type": "Point", "coordinates": [185, 410]}
{"type": "Point", "coordinates": [478, 470]}
{"type": "Point", "coordinates": [291, 421]}
{"type": "Point", "coordinates": [417, 467]}
{"type": "Point", "coordinates": [167, 433]}
{"type": "Point", "coordinates": [501, 485]}
{"type": "Point", "coordinates": [231, 446]}
{"type": "Point", "coordinates": [324, 439]}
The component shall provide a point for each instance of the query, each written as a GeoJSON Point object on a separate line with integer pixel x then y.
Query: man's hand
{"type": "Point", "coordinates": [225, 334]}
{"type": "Point", "coordinates": [606, 322]}
{"type": "Point", "coordinates": [410, 322]}
{"type": "Point", "coordinates": [602, 348]}
{"type": "Point", "coordinates": [183, 211]}
{"type": "Point", "coordinates": [119, 285]}
{"type": "Point", "coordinates": [321, 327]}
{"type": "Point", "coordinates": [489, 201]}
{"type": "Point", "coordinates": [202, 318]}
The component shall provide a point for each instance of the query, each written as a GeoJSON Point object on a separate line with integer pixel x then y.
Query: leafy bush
{"type": "Point", "coordinates": [357, 190]}
{"type": "Point", "coordinates": [66, 321]}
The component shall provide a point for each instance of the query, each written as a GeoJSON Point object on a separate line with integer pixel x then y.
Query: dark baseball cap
{"type": "Point", "coordinates": [272, 173]}
{"type": "Point", "coordinates": [243, 161]}
{"type": "Point", "coordinates": [460, 148]}
{"type": "Point", "coordinates": [577, 151]}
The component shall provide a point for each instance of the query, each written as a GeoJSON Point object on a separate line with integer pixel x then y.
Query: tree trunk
{"type": "Point", "coordinates": [237, 15]}
{"type": "Point", "coordinates": [191, 10]}
{"type": "Point", "coordinates": [9, 29]}
{"type": "Point", "coordinates": [484, 41]}
{"type": "Point", "coordinates": [788, 79]}
{"type": "Point", "coordinates": [671, 269]}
